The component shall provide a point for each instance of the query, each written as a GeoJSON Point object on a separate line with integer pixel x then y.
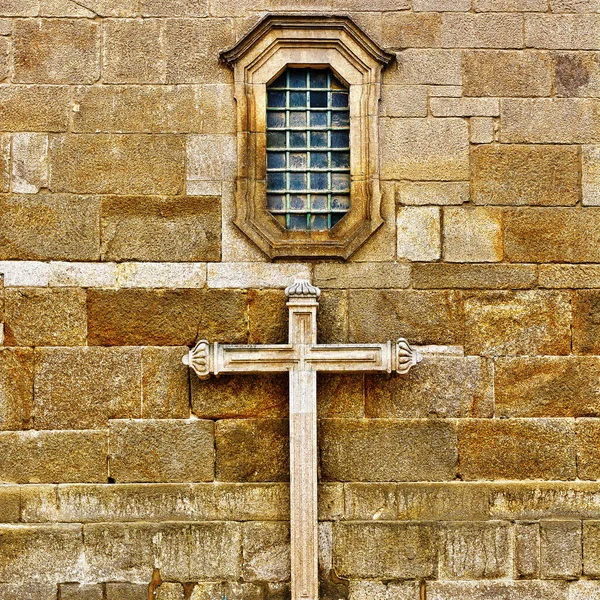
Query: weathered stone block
{"type": "Point", "coordinates": [465, 107]}
{"type": "Point", "coordinates": [177, 8]}
{"type": "Point", "coordinates": [5, 152]}
{"type": "Point", "coordinates": [561, 235]}
{"type": "Point", "coordinates": [590, 175]}
{"type": "Point", "coordinates": [4, 58]}
{"type": "Point", "coordinates": [340, 396]}
{"type": "Point", "coordinates": [424, 149]}
{"type": "Point", "coordinates": [29, 162]}
{"type": "Point", "coordinates": [133, 51]}
{"type": "Point", "coordinates": [568, 32]}
{"type": "Point", "coordinates": [117, 164]}
{"type": "Point", "coordinates": [45, 317]}
{"type": "Point", "coordinates": [56, 51]}
{"type": "Point", "coordinates": [184, 228]}
{"type": "Point", "coordinates": [28, 591]}
{"type": "Point", "coordinates": [165, 384]}
{"type": "Point", "coordinates": [526, 322]}
{"type": "Point", "coordinates": [496, 590]}
{"type": "Point", "coordinates": [422, 66]}
{"type": "Point", "coordinates": [160, 450]}
{"type": "Point", "coordinates": [53, 456]}
{"type": "Point", "coordinates": [569, 276]}
{"type": "Point", "coordinates": [423, 317]}
{"type": "Point", "coordinates": [126, 591]}
{"type": "Point", "coordinates": [472, 234]}
{"type": "Point", "coordinates": [574, 6]}
{"type": "Point", "coordinates": [246, 396]}
{"type": "Point", "coordinates": [550, 120]}
{"type": "Point", "coordinates": [384, 550]}
{"type": "Point", "coordinates": [588, 442]}
{"type": "Point", "coordinates": [511, 5]}
{"type": "Point", "coordinates": [584, 590]}
{"type": "Point", "coordinates": [332, 317]}
{"type": "Point", "coordinates": [232, 591]}
{"type": "Point", "coordinates": [157, 275]}
{"type": "Point", "coordinates": [419, 233]}
{"type": "Point", "coordinates": [586, 322]}
{"type": "Point", "coordinates": [410, 30]}
{"type": "Point", "coordinates": [26, 547]}
{"type": "Point", "coordinates": [72, 274]}
{"type": "Point", "coordinates": [139, 109]}
{"type": "Point", "coordinates": [215, 551]}
{"type": "Point", "coordinates": [473, 276]}
{"type": "Point", "coordinates": [387, 450]}
{"type": "Point", "coordinates": [169, 591]}
{"type": "Point", "coordinates": [370, 501]}
{"type": "Point", "coordinates": [482, 30]}
{"type": "Point", "coordinates": [507, 73]}
{"type": "Point", "coordinates": [404, 101]}
{"type": "Point", "coordinates": [25, 273]}
{"type": "Point", "coordinates": [145, 317]}
{"type": "Point", "coordinates": [577, 74]}
{"type": "Point", "coordinates": [442, 5]}
{"type": "Point", "coordinates": [482, 130]}
{"type": "Point", "coordinates": [19, 8]}
{"type": "Point", "coordinates": [360, 275]}
{"type": "Point", "coordinates": [516, 449]}
{"type": "Point", "coordinates": [10, 505]}
{"type": "Point", "coordinates": [34, 108]}
{"type": "Point", "coordinates": [80, 591]}
{"type": "Point", "coordinates": [450, 501]}
{"type": "Point", "coordinates": [81, 388]}
{"type": "Point", "coordinates": [556, 386]}
{"type": "Point", "coordinates": [442, 386]}
{"type": "Point", "coordinates": [192, 49]}
{"type": "Point", "coordinates": [16, 387]}
{"type": "Point", "coordinates": [252, 450]}
{"type": "Point", "coordinates": [374, 590]}
{"type": "Point", "coordinates": [255, 275]}
{"type": "Point", "coordinates": [591, 548]}
{"type": "Point", "coordinates": [527, 550]}
{"type": "Point", "coordinates": [440, 193]}
{"type": "Point", "coordinates": [475, 551]}
{"type": "Point", "coordinates": [532, 175]}
{"type": "Point", "coordinates": [266, 552]}
{"type": "Point", "coordinates": [211, 157]}
{"type": "Point", "coordinates": [49, 227]}
{"type": "Point", "coordinates": [560, 549]}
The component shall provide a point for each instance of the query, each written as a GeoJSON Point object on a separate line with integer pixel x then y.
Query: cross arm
{"type": "Point", "coordinates": [396, 356]}
{"type": "Point", "coordinates": [206, 358]}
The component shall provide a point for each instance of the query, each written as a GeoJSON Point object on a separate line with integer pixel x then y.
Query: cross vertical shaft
{"type": "Point", "coordinates": [302, 306]}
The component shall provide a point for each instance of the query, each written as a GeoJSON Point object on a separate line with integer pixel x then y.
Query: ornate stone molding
{"type": "Point", "coordinates": [303, 40]}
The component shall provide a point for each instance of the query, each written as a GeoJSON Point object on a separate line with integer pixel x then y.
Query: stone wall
{"type": "Point", "coordinates": [475, 477]}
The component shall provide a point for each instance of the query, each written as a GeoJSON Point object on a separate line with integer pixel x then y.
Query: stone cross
{"type": "Point", "coordinates": [302, 357]}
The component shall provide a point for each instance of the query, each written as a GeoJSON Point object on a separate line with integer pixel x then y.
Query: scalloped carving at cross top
{"type": "Point", "coordinates": [302, 357]}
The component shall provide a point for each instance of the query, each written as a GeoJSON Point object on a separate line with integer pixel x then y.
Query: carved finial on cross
{"type": "Point", "coordinates": [302, 357]}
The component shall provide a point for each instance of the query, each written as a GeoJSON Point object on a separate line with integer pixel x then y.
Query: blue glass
{"type": "Point", "coordinates": [318, 79]}
{"type": "Point", "coordinates": [318, 160]}
{"type": "Point", "coordinates": [318, 139]}
{"type": "Point", "coordinates": [318, 99]}
{"type": "Point", "coordinates": [340, 118]}
{"type": "Point", "coordinates": [340, 182]}
{"type": "Point", "coordinates": [336, 218]}
{"type": "Point", "coordinates": [297, 139]}
{"type": "Point", "coordinates": [319, 202]}
{"type": "Point", "coordinates": [340, 160]}
{"type": "Point", "coordinates": [275, 160]}
{"type": "Point", "coordinates": [280, 82]}
{"type": "Point", "coordinates": [339, 99]}
{"type": "Point", "coordinates": [297, 160]}
{"type": "Point", "coordinates": [340, 139]}
{"type": "Point", "coordinates": [298, 222]}
{"type": "Point", "coordinates": [276, 99]}
{"type": "Point", "coordinates": [276, 181]}
{"type": "Point", "coordinates": [298, 99]}
{"type": "Point", "coordinates": [340, 202]}
{"type": "Point", "coordinates": [275, 202]}
{"type": "Point", "coordinates": [318, 181]}
{"type": "Point", "coordinates": [275, 119]}
{"type": "Point", "coordinates": [297, 119]}
{"type": "Point", "coordinates": [275, 139]}
{"type": "Point", "coordinates": [297, 181]}
{"type": "Point", "coordinates": [319, 222]}
{"type": "Point", "coordinates": [297, 78]}
{"type": "Point", "coordinates": [318, 119]}
{"type": "Point", "coordinates": [299, 202]}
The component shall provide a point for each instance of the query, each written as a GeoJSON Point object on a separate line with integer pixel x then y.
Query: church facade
{"type": "Point", "coordinates": [181, 178]}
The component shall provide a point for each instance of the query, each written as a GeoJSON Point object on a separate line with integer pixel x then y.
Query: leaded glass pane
{"type": "Point", "coordinates": [308, 154]}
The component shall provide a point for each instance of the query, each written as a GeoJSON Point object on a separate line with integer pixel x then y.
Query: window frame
{"type": "Point", "coordinates": [279, 42]}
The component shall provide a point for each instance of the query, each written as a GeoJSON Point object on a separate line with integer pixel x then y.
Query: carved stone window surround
{"type": "Point", "coordinates": [273, 45]}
